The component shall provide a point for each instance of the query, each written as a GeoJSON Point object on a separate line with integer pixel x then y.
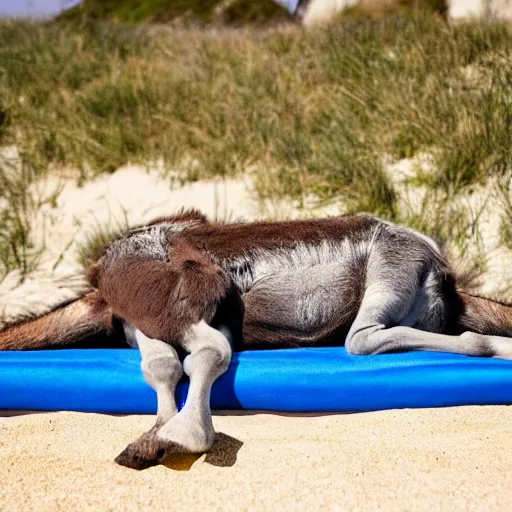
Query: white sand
{"type": "Point", "coordinates": [410, 460]}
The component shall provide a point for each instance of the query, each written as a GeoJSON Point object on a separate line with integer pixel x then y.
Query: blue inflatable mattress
{"type": "Point", "coordinates": [306, 380]}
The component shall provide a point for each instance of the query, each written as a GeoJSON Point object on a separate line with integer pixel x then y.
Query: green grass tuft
{"type": "Point", "coordinates": [17, 207]}
{"type": "Point", "coordinates": [96, 244]}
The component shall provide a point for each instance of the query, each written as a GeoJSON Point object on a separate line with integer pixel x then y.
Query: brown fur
{"type": "Point", "coordinates": [484, 316]}
{"type": "Point", "coordinates": [85, 319]}
{"type": "Point", "coordinates": [191, 216]}
{"type": "Point", "coordinates": [162, 298]}
{"type": "Point", "coordinates": [227, 240]}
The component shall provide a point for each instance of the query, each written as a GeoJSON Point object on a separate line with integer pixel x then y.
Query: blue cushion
{"type": "Point", "coordinates": [316, 380]}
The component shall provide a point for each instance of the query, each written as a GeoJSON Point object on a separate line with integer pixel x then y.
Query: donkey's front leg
{"type": "Point", "coordinates": [191, 430]}
{"type": "Point", "coordinates": [162, 370]}
{"type": "Point", "coordinates": [209, 356]}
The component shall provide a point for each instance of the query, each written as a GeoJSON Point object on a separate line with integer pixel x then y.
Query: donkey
{"type": "Point", "coordinates": [188, 293]}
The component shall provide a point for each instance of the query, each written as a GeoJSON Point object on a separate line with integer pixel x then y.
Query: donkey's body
{"type": "Point", "coordinates": [182, 286]}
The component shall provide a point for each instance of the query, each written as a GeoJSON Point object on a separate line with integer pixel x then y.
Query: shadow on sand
{"type": "Point", "coordinates": [222, 454]}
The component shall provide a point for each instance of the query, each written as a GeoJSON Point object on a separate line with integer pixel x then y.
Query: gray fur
{"type": "Point", "coordinates": [385, 282]}
{"type": "Point", "coordinates": [247, 270]}
{"type": "Point", "coordinates": [151, 242]}
{"type": "Point", "coordinates": [209, 357]}
{"type": "Point", "coordinates": [162, 370]}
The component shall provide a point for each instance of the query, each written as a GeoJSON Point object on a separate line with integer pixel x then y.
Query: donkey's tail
{"type": "Point", "coordinates": [484, 316]}
{"type": "Point", "coordinates": [87, 321]}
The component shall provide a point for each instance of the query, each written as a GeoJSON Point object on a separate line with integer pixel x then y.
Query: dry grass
{"type": "Point", "coordinates": [318, 110]}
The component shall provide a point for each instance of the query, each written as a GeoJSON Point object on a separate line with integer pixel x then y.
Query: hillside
{"type": "Point", "coordinates": [202, 12]}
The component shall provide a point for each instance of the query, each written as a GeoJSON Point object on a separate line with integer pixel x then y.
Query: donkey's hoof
{"type": "Point", "coordinates": [147, 452]}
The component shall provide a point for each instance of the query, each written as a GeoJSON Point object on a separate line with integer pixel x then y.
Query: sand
{"type": "Point", "coordinates": [437, 459]}
{"type": "Point", "coordinates": [432, 459]}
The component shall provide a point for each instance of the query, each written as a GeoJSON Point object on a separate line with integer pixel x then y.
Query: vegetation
{"type": "Point", "coordinates": [15, 215]}
{"type": "Point", "coordinates": [318, 113]}
{"type": "Point", "coordinates": [94, 247]}
{"type": "Point", "coordinates": [197, 12]}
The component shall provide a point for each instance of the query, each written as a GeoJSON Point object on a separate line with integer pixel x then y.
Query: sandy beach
{"type": "Point", "coordinates": [430, 459]}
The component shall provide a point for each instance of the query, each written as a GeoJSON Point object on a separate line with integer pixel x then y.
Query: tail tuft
{"type": "Point", "coordinates": [84, 322]}
{"type": "Point", "coordinates": [483, 316]}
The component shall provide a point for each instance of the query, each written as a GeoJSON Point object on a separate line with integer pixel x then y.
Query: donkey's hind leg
{"type": "Point", "coordinates": [191, 430]}
{"type": "Point", "coordinates": [161, 367]}
{"type": "Point", "coordinates": [162, 370]}
{"type": "Point", "coordinates": [383, 324]}
{"type": "Point", "coordinates": [397, 339]}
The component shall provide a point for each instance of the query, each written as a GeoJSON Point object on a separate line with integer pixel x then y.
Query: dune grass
{"type": "Point", "coordinates": [15, 215]}
{"type": "Point", "coordinates": [317, 112]}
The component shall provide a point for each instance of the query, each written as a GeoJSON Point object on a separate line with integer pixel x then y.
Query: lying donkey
{"type": "Point", "coordinates": [188, 293]}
